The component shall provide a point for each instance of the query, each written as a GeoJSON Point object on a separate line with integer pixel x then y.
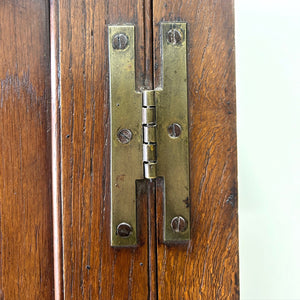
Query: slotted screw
{"type": "Point", "coordinates": [174, 130]}
{"type": "Point", "coordinates": [120, 41]}
{"type": "Point", "coordinates": [124, 136]}
{"type": "Point", "coordinates": [174, 36]}
{"type": "Point", "coordinates": [124, 229]}
{"type": "Point", "coordinates": [179, 224]}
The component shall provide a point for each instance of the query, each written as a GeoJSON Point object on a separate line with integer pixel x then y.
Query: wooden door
{"type": "Point", "coordinates": [26, 255]}
{"type": "Point", "coordinates": [59, 150]}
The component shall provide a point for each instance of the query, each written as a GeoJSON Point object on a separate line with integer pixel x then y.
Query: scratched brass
{"type": "Point", "coordinates": [126, 159]}
{"type": "Point", "coordinates": [173, 153]}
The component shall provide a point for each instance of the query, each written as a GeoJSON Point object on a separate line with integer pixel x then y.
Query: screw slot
{"type": "Point", "coordinates": [174, 130]}
{"type": "Point", "coordinates": [179, 224]}
{"type": "Point", "coordinates": [174, 36]}
{"type": "Point", "coordinates": [124, 136]}
{"type": "Point", "coordinates": [124, 230]}
{"type": "Point", "coordinates": [120, 41]}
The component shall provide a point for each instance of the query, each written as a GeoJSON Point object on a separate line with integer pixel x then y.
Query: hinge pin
{"type": "Point", "coordinates": [149, 130]}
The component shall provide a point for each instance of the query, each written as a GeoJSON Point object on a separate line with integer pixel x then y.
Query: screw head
{"type": "Point", "coordinates": [174, 130]}
{"type": "Point", "coordinates": [124, 136]}
{"type": "Point", "coordinates": [179, 224]}
{"type": "Point", "coordinates": [120, 41]}
{"type": "Point", "coordinates": [124, 230]}
{"type": "Point", "coordinates": [174, 36]}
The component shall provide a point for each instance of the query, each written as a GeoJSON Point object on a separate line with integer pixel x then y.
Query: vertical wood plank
{"type": "Point", "coordinates": [206, 268]}
{"type": "Point", "coordinates": [56, 150]}
{"type": "Point", "coordinates": [91, 268]}
{"type": "Point", "coordinates": [26, 267]}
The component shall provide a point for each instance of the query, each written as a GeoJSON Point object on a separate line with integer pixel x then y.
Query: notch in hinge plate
{"type": "Point", "coordinates": [149, 134]}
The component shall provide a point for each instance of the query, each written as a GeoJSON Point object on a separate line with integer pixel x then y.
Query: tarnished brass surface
{"type": "Point", "coordinates": [125, 113]}
{"type": "Point", "coordinates": [173, 152]}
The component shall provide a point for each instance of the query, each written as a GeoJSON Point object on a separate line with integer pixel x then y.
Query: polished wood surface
{"type": "Point", "coordinates": [91, 268]}
{"type": "Point", "coordinates": [26, 266]}
{"type": "Point", "coordinates": [207, 267]}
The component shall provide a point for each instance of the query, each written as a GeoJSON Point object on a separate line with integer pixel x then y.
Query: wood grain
{"type": "Point", "coordinates": [26, 267]}
{"type": "Point", "coordinates": [91, 268]}
{"type": "Point", "coordinates": [206, 268]}
{"type": "Point", "coordinates": [56, 150]}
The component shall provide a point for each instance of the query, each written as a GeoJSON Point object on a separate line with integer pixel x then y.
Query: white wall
{"type": "Point", "coordinates": [268, 102]}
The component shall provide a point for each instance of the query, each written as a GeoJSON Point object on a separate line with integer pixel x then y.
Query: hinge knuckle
{"type": "Point", "coordinates": [148, 115]}
{"type": "Point", "coordinates": [149, 152]}
{"type": "Point", "coordinates": [149, 134]}
{"type": "Point", "coordinates": [150, 169]}
{"type": "Point", "coordinates": [148, 98]}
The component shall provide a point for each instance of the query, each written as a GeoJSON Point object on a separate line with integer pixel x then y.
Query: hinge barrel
{"type": "Point", "coordinates": [149, 136]}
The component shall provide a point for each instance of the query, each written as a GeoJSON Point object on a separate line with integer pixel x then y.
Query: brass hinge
{"type": "Point", "coordinates": [149, 134]}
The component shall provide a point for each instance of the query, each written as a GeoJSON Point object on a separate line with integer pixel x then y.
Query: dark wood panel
{"type": "Point", "coordinates": [91, 268]}
{"type": "Point", "coordinates": [206, 268]}
{"type": "Point", "coordinates": [25, 151]}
